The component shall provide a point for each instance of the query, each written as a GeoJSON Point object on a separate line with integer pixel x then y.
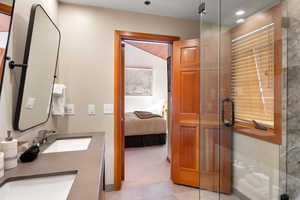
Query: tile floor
{"type": "Point", "coordinates": [165, 191]}
{"type": "Point", "coordinates": [147, 177]}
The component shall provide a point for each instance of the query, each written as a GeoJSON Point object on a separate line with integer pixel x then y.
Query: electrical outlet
{"type": "Point", "coordinates": [92, 109]}
{"type": "Point", "coordinates": [69, 109]}
{"type": "Point", "coordinates": [108, 108]}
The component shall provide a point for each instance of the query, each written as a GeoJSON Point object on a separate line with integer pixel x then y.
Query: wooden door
{"type": "Point", "coordinates": [186, 110]}
{"type": "Point", "coordinates": [201, 153]}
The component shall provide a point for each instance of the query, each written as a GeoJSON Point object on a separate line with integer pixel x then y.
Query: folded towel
{"type": "Point", "coordinates": [59, 99]}
{"type": "Point", "coordinates": [145, 115]}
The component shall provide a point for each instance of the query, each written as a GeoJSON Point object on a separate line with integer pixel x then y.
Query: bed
{"type": "Point", "coordinates": [144, 132]}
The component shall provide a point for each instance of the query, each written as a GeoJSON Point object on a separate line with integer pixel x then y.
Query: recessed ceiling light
{"type": "Point", "coordinates": [239, 21]}
{"type": "Point", "coordinates": [240, 12]}
{"type": "Point", "coordinates": [147, 3]}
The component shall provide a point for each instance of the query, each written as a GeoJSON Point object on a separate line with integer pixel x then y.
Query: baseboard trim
{"type": "Point", "coordinates": [240, 195]}
{"type": "Point", "coordinates": [109, 188]}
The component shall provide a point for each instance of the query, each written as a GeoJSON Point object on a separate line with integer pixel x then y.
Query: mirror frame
{"type": "Point", "coordinates": [6, 59]}
{"type": "Point", "coordinates": [24, 68]}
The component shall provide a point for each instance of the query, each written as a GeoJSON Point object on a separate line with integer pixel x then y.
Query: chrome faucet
{"type": "Point", "coordinates": [43, 136]}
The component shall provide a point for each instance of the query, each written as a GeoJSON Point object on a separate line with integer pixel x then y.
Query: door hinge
{"type": "Point", "coordinates": [201, 9]}
{"type": "Point", "coordinates": [285, 22]}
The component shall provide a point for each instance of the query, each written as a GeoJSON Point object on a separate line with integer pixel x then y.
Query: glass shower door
{"type": "Point", "coordinates": [210, 106]}
{"type": "Point", "coordinates": [241, 99]}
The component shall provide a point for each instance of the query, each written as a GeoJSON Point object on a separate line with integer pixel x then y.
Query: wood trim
{"type": "Point", "coordinates": [250, 130]}
{"type": "Point", "coordinates": [126, 35]}
{"type": "Point", "coordinates": [117, 119]}
{"type": "Point", "coordinates": [272, 15]}
{"type": "Point", "coordinates": [2, 53]}
{"type": "Point", "coordinates": [119, 90]}
{"type": "Point", "coordinates": [5, 9]}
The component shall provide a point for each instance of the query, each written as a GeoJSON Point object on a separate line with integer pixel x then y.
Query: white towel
{"type": "Point", "coordinates": [59, 99]}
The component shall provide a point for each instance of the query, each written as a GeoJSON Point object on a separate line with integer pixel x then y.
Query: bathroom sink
{"type": "Point", "coordinates": [63, 145]}
{"type": "Point", "coordinates": [46, 188]}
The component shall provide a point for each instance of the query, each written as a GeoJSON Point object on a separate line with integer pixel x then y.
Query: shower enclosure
{"type": "Point", "coordinates": [249, 99]}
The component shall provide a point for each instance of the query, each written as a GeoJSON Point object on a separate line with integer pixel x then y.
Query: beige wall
{"type": "Point", "coordinates": [87, 62]}
{"type": "Point", "coordinates": [4, 23]}
{"type": "Point", "coordinates": [16, 51]}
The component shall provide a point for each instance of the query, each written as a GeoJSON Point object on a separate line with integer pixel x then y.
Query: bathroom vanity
{"type": "Point", "coordinates": [61, 171]}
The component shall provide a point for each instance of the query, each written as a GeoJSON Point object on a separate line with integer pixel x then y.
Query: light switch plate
{"type": "Point", "coordinates": [69, 109]}
{"type": "Point", "coordinates": [108, 108]}
{"type": "Point", "coordinates": [92, 109]}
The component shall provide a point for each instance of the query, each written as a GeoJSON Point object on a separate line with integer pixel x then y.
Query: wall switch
{"type": "Point", "coordinates": [92, 109]}
{"type": "Point", "coordinates": [108, 108]}
{"type": "Point", "coordinates": [69, 109]}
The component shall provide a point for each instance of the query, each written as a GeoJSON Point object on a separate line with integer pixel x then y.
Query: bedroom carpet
{"type": "Point", "coordinates": [147, 177]}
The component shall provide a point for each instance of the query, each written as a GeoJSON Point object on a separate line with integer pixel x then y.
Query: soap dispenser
{"type": "Point", "coordinates": [10, 149]}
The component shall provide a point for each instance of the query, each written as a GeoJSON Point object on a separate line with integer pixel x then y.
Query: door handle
{"type": "Point", "coordinates": [226, 122]}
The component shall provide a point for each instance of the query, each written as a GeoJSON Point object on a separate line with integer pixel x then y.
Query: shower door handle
{"type": "Point", "coordinates": [226, 122]}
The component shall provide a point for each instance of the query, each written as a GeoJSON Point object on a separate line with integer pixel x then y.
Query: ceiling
{"type": "Point", "coordinates": [186, 9]}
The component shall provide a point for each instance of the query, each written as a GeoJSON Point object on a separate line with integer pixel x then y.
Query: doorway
{"type": "Point", "coordinates": [146, 113]}
{"type": "Point", "coordinates": [120, 37]}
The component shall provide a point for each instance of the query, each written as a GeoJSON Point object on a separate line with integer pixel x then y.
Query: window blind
{"type": "Point", "coordinates": [253, 76]}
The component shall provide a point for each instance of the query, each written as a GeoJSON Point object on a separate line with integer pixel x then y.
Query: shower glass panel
{"type": "Point", "coordinates": [242, 129]}
{"type": "Point", "coordinates": [210, 118]}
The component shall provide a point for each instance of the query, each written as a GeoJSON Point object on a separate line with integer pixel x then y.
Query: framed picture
{"type": "Point", "coordinates": [139, 81]}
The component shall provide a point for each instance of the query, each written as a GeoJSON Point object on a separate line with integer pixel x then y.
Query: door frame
{"type": "Point", "coordinates": [5, 9]}
{"type": "Point", "coordinates": [119, 88]}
